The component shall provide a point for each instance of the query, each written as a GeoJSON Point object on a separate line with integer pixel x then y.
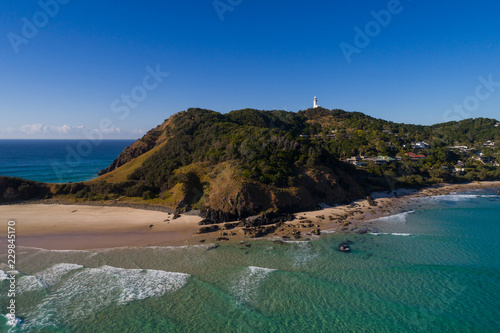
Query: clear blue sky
{"type": "Point", "coordinates": [263, 55]}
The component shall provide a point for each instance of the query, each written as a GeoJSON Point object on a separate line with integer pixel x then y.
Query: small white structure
{"type": "Point", "coordinates": [315, 106]}
{"type": "Point", "coordinates": [420, 145]}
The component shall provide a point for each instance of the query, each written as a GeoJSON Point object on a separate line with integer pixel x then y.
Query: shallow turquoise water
{"type": "Point", "coordinates": [433, 269]}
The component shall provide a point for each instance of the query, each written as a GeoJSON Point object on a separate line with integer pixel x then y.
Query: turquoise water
{"type": "Point", "coordinates": [434, 268]}
{"type": "Point", "coordinates": [58, 161]}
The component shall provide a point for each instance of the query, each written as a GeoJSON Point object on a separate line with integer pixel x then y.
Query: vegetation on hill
{"type": "Point", "coordinates": [248, 161]}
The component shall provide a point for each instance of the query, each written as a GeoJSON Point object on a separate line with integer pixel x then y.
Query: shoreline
{"type": "Point", "coordinates": [61, 226]}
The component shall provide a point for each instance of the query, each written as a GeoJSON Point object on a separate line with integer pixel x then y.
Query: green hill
{"type": "Point", "coordinates": [248, 161]}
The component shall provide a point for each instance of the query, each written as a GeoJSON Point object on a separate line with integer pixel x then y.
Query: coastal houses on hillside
{"type": "Point", "coordinates": [363, 161]}
{"type": "Point", "coordinates": [415, 157]}
{"type": "Point", "coordinates": [489, 143]}
{"type": "Point", "coordinates": [420, 145]}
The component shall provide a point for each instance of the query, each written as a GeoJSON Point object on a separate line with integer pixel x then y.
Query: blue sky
{"type": "Point", "coordinates": [74, 73]}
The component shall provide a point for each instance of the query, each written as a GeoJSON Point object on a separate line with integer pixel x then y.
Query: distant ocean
{"type": "Point", "coordinates": [58, 161]}
{"type": "Point", "coordinates": [432, 268]}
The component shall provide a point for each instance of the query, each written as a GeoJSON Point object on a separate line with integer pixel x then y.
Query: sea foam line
{"type": "Point", "coordinates": [396, 218]}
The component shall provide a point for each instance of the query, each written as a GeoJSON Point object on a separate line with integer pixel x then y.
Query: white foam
{"type": "Point", "coordinates": [90, 289]}
{"type": "Point", "coordinates": [46, 278]}
{"type": "Point", "coordinates": [460, 197]}
{"type": "Point", "coordinates": [396, 218]}
{"type": "Point", "coordinates": [3, 276]}
{"type": "Point", "coordinates": [246, 287]}
{"type": "Point", "coordinates": [53, 275]}
{"type": "Point", "coordinates": [301, 252]}
{"type": "Point", "coordinates": [387, 233]}
{"type": "Point", "coordinates": [29, 283]}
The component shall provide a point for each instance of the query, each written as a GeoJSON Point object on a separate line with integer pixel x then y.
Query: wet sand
{"type": "Point", "coordinates": [77, 227]}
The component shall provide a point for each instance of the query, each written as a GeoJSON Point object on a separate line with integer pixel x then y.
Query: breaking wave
{"type": "Point", "coordinates": [246, 287]}
{"type": "Point", "coordinates": [396, 218]}
{"type": "Point", "coordinates": [390, 233]}
{"type": "Point", "coordinates": [77, 295]}
{"type": "Point", "coordinates": [460, 197]}
{"type": "Point", "coordinates": [46, 278]}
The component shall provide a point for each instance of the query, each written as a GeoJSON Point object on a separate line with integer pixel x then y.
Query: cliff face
{"type": "Point", "coordinates": [151, 139]}
{"type": "Point", "coordinates": [230, 197]}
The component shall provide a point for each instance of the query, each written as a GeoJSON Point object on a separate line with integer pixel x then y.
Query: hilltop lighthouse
{"type": "Point", "coordinates": [315, 102]}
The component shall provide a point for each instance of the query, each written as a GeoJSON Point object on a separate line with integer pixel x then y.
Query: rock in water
{"type": "Point", "coordinates": [344, 247]}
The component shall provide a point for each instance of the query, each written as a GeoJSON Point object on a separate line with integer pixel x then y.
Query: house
{"type": "Point", "coordinates": [415, 157]}
{"type": "Point", "coordinates": [330, 136]}
{"type": "Point", "coordinates": [497, 124]}
{"type": "Point", "coordinates": [386, 158]}
{"type": "Point", "coordinates": [379, 161]}
{"type": "Point", "coordinates": [354, 159]}
{"type": "Point", "coordinates": [460, 164]}
{"type": "Point", "coordinates": [489, 143]}
{"type": "Point", "coordinates": [387, 131]}
{"type": "Point", "coordinates": [361, 164]}
{"type": "Point", "coordinates": [420, 145]}
{"type": "Point", "coordinates": [482, 158]}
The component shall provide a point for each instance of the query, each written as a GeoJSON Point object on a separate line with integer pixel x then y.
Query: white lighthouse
{"type": "Point", "coordinates": [315, 102]}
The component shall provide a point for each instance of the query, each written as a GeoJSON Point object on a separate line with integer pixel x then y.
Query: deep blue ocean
{"type": "Point", "coordinates": [58, 161]}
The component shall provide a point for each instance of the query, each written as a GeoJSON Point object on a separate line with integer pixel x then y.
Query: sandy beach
{"type": "Point", "coordinates": [77, 227]}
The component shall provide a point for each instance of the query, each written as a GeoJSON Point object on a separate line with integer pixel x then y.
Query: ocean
{"type": "Point", "coordinates": [433, 268]}
{"type": "Point", "coordinates": [58, 161]}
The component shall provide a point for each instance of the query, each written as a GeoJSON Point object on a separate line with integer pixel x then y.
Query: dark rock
{"type": "Point", "coordinates": [370, 200]}
{"type": "Point", "coordinates": [212, 228]}
{"type": "Point", "coordinates": [206, 222]}
{"type": "Point", "coordinates": [316, 231]}
{"type": "Point", "coordinates": [222, 239]}
{"type": "Point", "coordinates": [344, 247]}
{"type": "Point", "coordinates": [176, 216]}
{"type": "Point", "coordinates": [151, 226]}
{"type": "Point", "coordinates": [218, 216]}
{"type": "Point", "coordinates": [229, 226]}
